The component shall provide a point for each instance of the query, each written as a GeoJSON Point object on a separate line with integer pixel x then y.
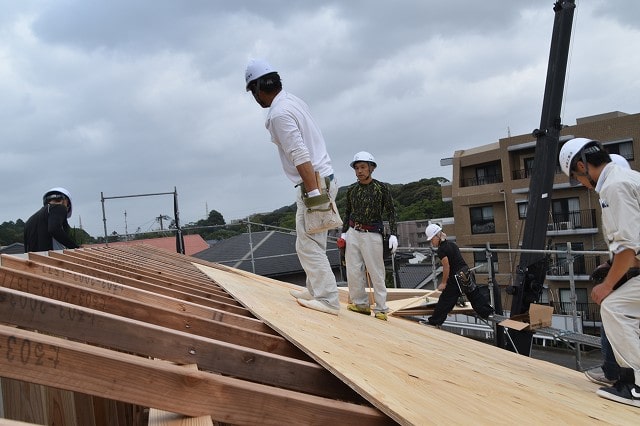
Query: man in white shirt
{"type": "Point", "coordinates": [302, 152]}
{"type": "Point", "coordinates": [585, 161]}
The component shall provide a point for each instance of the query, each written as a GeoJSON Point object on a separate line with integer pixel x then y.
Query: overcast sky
{"type": "Point", "coordinates": [126, 97]}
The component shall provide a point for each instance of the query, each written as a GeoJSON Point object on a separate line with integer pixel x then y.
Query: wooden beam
{"type": "Point", "coordinates": [213, 293]}
{"type": "Point", "coordinates": [117, 299]}
{"type": "Point", "coordinates": [246, 320]}
{"type": "Point", "coordinates": [92, 269]}
{"type": "Point", "coordinates": [97, 328]}
{"type": "Point", "coordinates": [38, 358]}
{"type": "Point", "coordinates": [140, 267]}
{"type": "Point", "coordinates": [179, 265]}
{"type": "Point", "coordinates": [165, 418]}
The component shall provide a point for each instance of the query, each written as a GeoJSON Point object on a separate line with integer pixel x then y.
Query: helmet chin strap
{"type": "Point", "coordinates": [586, 174]}
{"type": "Point", "coordinates": [592, 182]}
{"type": "Point", "coordinates": [260, 101]}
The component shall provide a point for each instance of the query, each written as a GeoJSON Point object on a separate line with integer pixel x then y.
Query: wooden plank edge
{"type": "Point", "coordinates": [159, 417]}
{"type": "Point", "coordinates": [51, 361]}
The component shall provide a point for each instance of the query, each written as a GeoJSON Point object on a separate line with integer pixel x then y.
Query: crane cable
{"type": "Point", "coordinates": [568, 70]}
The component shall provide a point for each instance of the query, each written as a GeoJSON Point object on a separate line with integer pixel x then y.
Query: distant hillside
{"type": "Point", "coordinates": [413, 201]}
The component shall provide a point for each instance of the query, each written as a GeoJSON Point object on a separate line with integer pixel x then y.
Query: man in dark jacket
{"type": "Point", "coordinates": [456, 279]}
{"type": "Point", "coordinates": [48, 229]}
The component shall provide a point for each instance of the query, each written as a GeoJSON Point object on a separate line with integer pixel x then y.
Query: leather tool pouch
{"type": "Point", "coordinates": [466, 280]}
{"type": "Point", "coordinates": [321, 213]}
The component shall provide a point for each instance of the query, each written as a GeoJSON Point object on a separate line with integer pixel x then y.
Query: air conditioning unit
{"type": "Point", "coordinates": [551, 226]}
{"type": "Point", "coordinates": [563, 226]}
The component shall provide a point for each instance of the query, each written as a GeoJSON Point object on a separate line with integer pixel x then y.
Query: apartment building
{"type": "Point", "coordinates": [489, 192]}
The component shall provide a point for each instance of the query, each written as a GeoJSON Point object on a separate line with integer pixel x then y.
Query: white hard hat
{"type": "Point", "coordinates": [56, 193]}
{"type": "Point", "coordinates": [571, 148]}
{"type": "Point", "coordinates": [620, 161]}
{"type": "Point", "coordinates": [256, 69]}
{"type": "Point", "coordinates": [432, 230]}
{"type": "Point", "coordinates": [363, 156]}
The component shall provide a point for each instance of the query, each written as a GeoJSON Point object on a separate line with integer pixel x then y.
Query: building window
{"type": "Point", "coordinates": [561, 265]}
{"type": "Point", "coordinates": [566, 213]}
{"type": "Point", "coordinates": [528, 166]}
{"type": "Point", "coordinates": [487, 174]}
{"type": "Point", "coordinates": [544, 296]}
{"type": "Point", "coordinates": [482, 220]}
{"type": "Point", "coordinates": [481, 264]}
{"type": "Point", "coordinates": [623, 148]}
{"type": "Point", "coordinates": [582, 301]}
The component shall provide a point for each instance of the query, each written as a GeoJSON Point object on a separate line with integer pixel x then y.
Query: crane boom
{"type": "Point", "coordinates": [531, 270]}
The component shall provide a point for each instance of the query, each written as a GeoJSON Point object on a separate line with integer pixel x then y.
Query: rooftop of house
{"type": "Point", "coordinates": [14, 248]}
{"type": "Point", "coordinates": [192, 244]}
{"type": "Point", "coordinates": [267, 253]}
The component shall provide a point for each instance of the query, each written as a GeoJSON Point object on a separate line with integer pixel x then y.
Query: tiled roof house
{"type": "Point", "coordinates": [274, 255]}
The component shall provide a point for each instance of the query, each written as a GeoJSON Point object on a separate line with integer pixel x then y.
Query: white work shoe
{"type": "Point", "coordinates": [318, 306]}
{"type": "Point", "coordinates": [301, 294]}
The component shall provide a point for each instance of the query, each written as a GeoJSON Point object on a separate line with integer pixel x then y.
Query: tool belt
{"type": "Point", "coordinates": [466, 280]}
{"type": "Point", "coordinates": [361, 227]}
{"type": "Point", "coordinates": [321, 213]}
{"type": "Point", "coordinates": [600, 273]}
{"type": "Point", "coordinates": [631, 273]}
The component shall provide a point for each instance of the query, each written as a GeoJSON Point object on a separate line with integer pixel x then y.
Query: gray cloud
{"type": "Point", "coordinates": [140, 97]}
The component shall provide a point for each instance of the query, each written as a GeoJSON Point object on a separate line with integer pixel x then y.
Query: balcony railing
{"type": "Point", "coordinates": [526, 173]}
{"type": "Point", "coordinates": [521, 174]}
{"type": "Point", "coordinates": [589, 312]}
{"type": "Point", "coordinates": [577, 219]}
{"type": "Point", "coordinates": [581, 266]}
{"type": "Point", "coordinates": [483, 180]}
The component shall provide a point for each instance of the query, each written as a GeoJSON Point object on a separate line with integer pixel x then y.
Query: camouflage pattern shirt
{"type": "Point", "coordinates": [369, 205]}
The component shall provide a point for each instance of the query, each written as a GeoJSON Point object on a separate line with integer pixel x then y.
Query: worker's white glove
{"type": "Point", "coordinates": [344, 236]}
{"type": "Point", "coordinates": [393, 243]}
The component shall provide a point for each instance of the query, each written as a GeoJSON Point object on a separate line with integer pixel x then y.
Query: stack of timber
{"type": "Point", "coordinates": [133, 334]}
{"type": "Point", "coordinates": [98, 336]}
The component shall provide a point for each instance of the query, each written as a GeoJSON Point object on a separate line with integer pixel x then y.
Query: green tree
{"type": "Point", "coordinates": [11, 232]}
{"type": "Point", "coordinates": [214, 218]}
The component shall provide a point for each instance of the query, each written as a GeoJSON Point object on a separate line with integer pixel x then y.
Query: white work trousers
{"type": "Point", "coordinates": [363, 253]}
{"type": "Point", "coordinates": [312, 252]}
{"type": "Point", "coordinates": [620, 312]}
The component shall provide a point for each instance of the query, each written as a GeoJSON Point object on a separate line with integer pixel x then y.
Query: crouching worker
{"type": "Point", "coordinates": [456, 279]}
{"type": "Point", "coordinates": [368, 203]}
{"type": "Point", "coordinates": [48, 229]}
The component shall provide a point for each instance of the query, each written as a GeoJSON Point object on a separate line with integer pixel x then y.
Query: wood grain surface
{"type": "Point", "coordinates": [421, 375]}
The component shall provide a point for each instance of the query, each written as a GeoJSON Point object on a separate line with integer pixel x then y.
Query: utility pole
{"type": "Point", "coordinates": [531, 271]}
{"type": "Point", "coordinates": [159, 219]}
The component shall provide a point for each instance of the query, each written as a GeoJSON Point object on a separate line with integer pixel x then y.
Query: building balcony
{"type": "Point", "coordinates": [484, 180]}
{"type": "Point", "coordinates": [582, 268]}
{"type": "Point", "coordinates": [527, 173]}
{"type": "Point", "coordinates": [574, 222]}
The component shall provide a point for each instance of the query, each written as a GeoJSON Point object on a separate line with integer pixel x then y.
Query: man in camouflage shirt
{"type": "Point", "coordinates": [369, 202]}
